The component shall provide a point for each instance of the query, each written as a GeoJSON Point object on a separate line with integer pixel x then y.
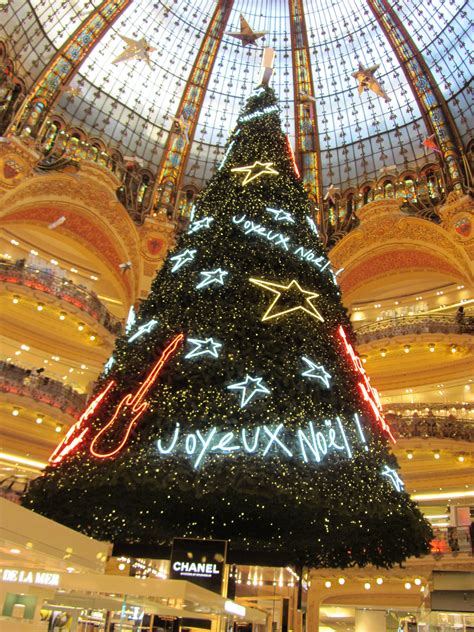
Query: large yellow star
{"type": "Point", "coordinates": [254, 171]}
{"type": "Point", "coordinates": [284, 291]}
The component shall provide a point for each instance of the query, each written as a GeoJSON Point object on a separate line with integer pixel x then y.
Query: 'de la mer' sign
{"type": "Point", "coordinates": [29, 577]}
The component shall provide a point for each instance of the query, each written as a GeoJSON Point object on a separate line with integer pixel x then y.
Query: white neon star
{"type": "Point", "coordinates": [202, 347]}
{"type": "Point", "coordinates": [394, 478]}
{"type": "Point", "coordinates": [312, 224]}
{"type": "Point", "coordinates": [205, 222]}
{"type": "Point", "coordinates": [108, 364]}
{"type": "Point", "coordinates": [212, 276]}
{"type": "Point", "coordinates": [131, 318]}
{"type": "Point", "coordinates": [144, 329]}
{"type": "Point", "coordinates": [182, 258]}
{"type": "Point", "coordinates": [243, 386]}
{"type": "Point", "coordinates": [280, 215]}
{"type": "Point", "coordinates": [324, 376]}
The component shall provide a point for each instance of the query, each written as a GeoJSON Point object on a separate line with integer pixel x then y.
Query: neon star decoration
{"type": "Point", "coordinates": [280, 215]}
{"type": "Point", "coordinates": [108, 365]}
{"type": "Point", "coordinates": [144, 329]}
{"type": "Point", "coordinates": [394, 478]}
{"type": "Point", "coordinates": [131, 318]}
{"type": "Point", "coordinates": [199, 224]}
{"type": "Point", "coordinates": [132, 406]}
{"type": "Point", "coordinates": [253, 385]}
{"type": "Point", "coordinates": [182, 259]}
{"type": "Point", "coordinates": [316, 372]}
{"type": "Point", "coordinates": [212, 276]}
{"type": "Point", "coordinates": [255, 171]}
{"type": "Point", "coordinates": [275, 310]}
{"type": "Point", "coordinates": [203, 347]}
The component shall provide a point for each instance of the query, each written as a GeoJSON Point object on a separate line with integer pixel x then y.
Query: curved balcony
{"type": "Point", "coordinates": [450, 540]}
{"type": "Point", "coordinates": [430, 426]}
{"type": "Point", "coordinates": [443, 411]}
{"type": "Point", "coordinates": [45, 281]}
{"type": "Point", "coordinates": [22, 382]}
{"type": "Point", "coordinates": [413, 325]}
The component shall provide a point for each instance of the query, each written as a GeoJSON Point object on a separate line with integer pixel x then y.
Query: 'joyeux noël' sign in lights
{"type": "Point", "coordinates": [311, 443]}
{"type": "Point", "coordinates": [250, 227]}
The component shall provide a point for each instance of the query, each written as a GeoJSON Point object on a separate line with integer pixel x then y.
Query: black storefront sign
{"type": "Point", "coordinates": [201, 562]}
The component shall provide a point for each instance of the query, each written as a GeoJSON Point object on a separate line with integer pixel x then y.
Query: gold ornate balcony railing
{"type": "Point", "coordinates": [408, 325]}
{"type": "Point", "coordinates": [431, 426]}
{"type": "Point", "coordinates": [45, 281]}
{"type": "Point", "coordinates": [27, 383]}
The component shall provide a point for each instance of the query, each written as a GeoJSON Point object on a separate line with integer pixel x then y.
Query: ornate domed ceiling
{"type": "Point", "coordinates": [132, 104]}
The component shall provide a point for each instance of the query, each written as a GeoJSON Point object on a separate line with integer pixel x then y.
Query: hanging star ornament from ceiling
{"type": "Point", "coordinates": [203, 347]}
{"type": "Point", "coordinates": [246, 35]}
{"type": "Point", "coordinates": [253, 385]}
{"type": "Point", "coordinates": [367, 81]}
{"type": "Point", "coordinates": [135, 49]}
{"type": "Point", "coordinates": [331, 193]}
{"type": "Point", "coordinates": [255, 171]}
{"type": "Point", "coordinates": [316, 372]}
{"type": "Point", "coordinates": [284, 292]}
{"type": "Point", "coordinates": [430, 143]}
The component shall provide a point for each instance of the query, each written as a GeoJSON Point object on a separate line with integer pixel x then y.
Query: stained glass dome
{"type": "Point", "coordinates": [131, 105]}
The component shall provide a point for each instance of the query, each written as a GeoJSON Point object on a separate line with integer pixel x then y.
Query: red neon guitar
{"type": "Point", "coordinates": [132, 405]}
{"type": "Point", "coordinates": [76, 432]}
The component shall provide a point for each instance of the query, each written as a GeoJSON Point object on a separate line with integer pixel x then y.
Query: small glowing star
{"type": "Point", "coordinates": [256, 382]}
{"type": "Point", "coordinates": [182, 258]}
{"type": "Point", "coordinates": [317, 372]}
{"type": "Point", "coordinates": [203, 347]}
{"type": "Point", "coordinates": [212, 276]}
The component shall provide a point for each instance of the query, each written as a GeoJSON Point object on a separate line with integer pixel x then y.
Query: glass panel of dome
{"type": "Point", "coordinates": [441, 31]}
{"type": "Point", "coordinates": [29, 47]}
{"type": "Point", "coordinates": [60, 20]}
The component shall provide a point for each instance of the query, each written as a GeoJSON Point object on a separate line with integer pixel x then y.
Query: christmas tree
{"type": "Point", "coordinates": [235, 406]}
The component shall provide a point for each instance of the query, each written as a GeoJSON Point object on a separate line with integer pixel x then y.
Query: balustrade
{"type": "Point", "coordinates": [432, 426]}
{"type": "Point", "coordinates": [24, 382]}
{"type": "Point", "coordinates": [420, 324]}
{"type": "Point", "coordinates": [451, 540]}
{"type": "Point", "coordinates": [45, 281]}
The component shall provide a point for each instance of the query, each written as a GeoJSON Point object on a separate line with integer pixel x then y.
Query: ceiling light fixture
{"type": "Point", "coordinates": [15, 299]}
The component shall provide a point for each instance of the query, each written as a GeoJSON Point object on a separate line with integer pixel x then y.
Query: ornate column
{"type": "Point", "coordinates": [306, 124]}
{"type": "Point", "coordinates": [64, 65]}
{"type": "Point", "coordinates": [434, 109]}
{"type": "Point", "coordinates": [176, 153]}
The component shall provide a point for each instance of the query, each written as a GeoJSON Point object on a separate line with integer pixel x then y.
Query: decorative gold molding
{"type": "Point", "coordinates": [386, 235]}
{"type": "Point", "coordinates": [94, 215]}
